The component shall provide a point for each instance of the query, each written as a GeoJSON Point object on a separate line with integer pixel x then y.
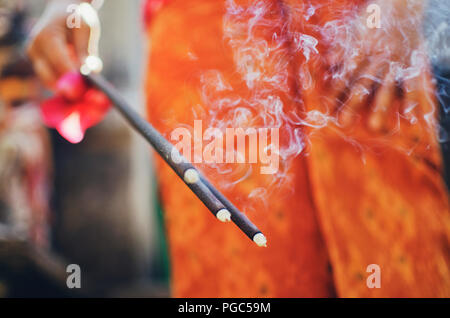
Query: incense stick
{"type": "Point", "coordinates": [215, 201]}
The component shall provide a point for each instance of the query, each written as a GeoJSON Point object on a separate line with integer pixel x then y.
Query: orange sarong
{"type": "Point", "coordinates": [342, 203]}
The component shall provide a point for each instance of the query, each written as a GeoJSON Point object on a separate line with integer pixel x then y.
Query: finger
{"type": "Point", "coordinates": [56, 51]}
{"type": "Point", "coordinates": [410, 109]}
{"type": "Point", "coordinates": [419, 100]}
{"type": "Point", "coordinates": [45, 72]}
{"type": "Point", "coordinates": [420, 109]}
{"type": "Point", "coordinates": [361, 90]}
{"type": "Point", "coordinates": [427, 100]}
{"type": "Point", "coordinates": [383, 101]}
{"type": "Point", "coordinates": [426, 129]}
{"type": "Point", "coordinates": [341, 80]}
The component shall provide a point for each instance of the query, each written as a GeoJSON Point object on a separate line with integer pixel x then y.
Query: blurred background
{"type": "Point", "coordinates": [94, 204]}
{"type": "Point", "coordinates": [91, 204]}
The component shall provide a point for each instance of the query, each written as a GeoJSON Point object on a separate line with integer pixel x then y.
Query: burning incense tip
{"type": "Point", "coordinates": [224, 215]}
{"type": "Point", "coordinates": [191, 176]}
{"type": "Point", "coordinates": [260, 240]}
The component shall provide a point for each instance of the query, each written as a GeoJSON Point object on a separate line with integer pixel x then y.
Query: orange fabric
{"type": "Point", "coordinates": [340, 207]}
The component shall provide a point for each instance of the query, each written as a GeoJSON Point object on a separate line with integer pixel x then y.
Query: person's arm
{"type": "Point", "coordinates": [55, 48]}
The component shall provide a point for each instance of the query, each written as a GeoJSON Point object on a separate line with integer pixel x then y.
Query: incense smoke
{"type": "Point", "coordinates": [284, 53]}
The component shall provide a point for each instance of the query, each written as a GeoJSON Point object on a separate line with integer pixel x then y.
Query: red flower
{"type": "Point", "coordinates": [74, 108]}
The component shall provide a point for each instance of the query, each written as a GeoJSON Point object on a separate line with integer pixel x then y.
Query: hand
{"type": "Point", "coordinates": [383, 73]}
{"type": "Point", "coordinates": [54, 48]}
